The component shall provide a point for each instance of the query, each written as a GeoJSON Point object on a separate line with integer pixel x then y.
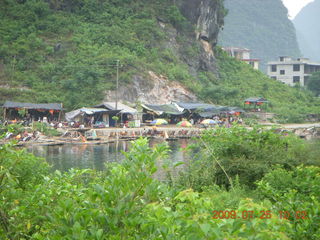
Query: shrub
{"type": "Point", "coordinates": [296, 194]}
{"type": "Point", "coordinates": [45, 129]}
{"type": "Point", "coordinates": [223, 153]}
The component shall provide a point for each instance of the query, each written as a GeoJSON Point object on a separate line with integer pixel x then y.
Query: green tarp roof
{"type": "Point", "coordinates": [163, 108]}
{"type": "Point", "coordinates": [196, 106]}
{"type": "Point", "coordinates": [255, 99]}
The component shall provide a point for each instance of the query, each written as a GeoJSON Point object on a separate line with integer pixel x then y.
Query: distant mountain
{"type": "Point", "coordinates": [308, 30]}
{"type": "Point", "coordinates": [262, 26]}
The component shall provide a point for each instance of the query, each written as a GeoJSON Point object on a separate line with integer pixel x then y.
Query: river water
{"type": "Point", "coordinates": [64, 157]}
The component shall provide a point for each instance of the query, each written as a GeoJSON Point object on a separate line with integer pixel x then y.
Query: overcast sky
{"type": "Point", "coordinates": [294, 6]}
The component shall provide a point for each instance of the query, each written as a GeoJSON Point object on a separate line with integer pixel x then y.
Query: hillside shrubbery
{"type": "Point", "coordinates": [238, 81]}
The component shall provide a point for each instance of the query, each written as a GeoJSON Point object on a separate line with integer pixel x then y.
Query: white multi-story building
{"type": "Point", "coordinates": [242, 54]}
{"type": "Point", "coordinates": [291, 71]}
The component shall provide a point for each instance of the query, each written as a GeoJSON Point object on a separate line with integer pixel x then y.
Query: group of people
{"type": "Point", "coordinates": [24, 136]}
{"type": "Point", "coordinates": [226, 121]}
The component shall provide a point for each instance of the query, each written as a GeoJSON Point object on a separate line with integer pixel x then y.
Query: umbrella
{"type": "Point", "coordinates": [209, 122]}
{"type": "Point", "coordinates": [184, 124]}
{"type": "Point", "coordinates": [159, 121]}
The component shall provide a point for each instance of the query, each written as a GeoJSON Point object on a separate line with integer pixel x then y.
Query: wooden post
{"type": "Point", "coordinates": [4, 113]}
{"type": "Point", "coordinates": [59, 118]}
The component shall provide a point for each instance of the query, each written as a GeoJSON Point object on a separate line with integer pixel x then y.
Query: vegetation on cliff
{"type": "Point", "coordinates": [66, 51]}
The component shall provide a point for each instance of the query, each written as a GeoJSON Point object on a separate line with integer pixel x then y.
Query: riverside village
{"type": "Point", "coordinates": [49, 124]}
{"type": "Point", "coordinates": [159, 120]}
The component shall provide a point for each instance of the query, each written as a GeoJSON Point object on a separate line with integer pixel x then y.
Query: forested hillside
{"type": "Point", "coordinates": [262, 26]}
{"type": "Point", "coordinates": [66, 51]}
{"type": "Point", "coordinates": [307, 32]}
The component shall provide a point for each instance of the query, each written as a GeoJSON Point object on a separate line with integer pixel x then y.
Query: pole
{"type": "Point", "coordinates": [117, 85]}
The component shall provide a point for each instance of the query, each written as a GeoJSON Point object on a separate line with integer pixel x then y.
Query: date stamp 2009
{"type": "Point", "coordinates": [262, 214]}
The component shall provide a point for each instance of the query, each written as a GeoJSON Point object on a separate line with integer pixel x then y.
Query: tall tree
{"type": "Point", "coordinates": [314, 83]}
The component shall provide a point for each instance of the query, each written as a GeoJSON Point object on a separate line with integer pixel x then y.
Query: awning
{"type": "Point", "coordinates": [120, 106]}
{"type": "Point", "coordinates": [195, 106]}
{"type": "Point", "coordinates": [70, 116]}
{"type": "Point", "coordinates": [255, 100]}
{"type": "Point", "coordinates": [218, 110]}
{"type": "Point", "coordinates": [163, 108]}
{"type": "Point", "coordinates": [45, 106]}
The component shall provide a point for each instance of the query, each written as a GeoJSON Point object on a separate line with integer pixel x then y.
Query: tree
{"type": "Point", "coordinates": [314, 83]}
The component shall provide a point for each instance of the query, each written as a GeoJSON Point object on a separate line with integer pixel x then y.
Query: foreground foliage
{"type": "Point", "coordinates": [126, 202]}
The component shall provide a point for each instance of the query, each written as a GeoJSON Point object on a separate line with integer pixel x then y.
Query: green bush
{"type": "Point", "coordinates": [223, 153]}
{"type": "Point", "coordinates": [13, 128]}
{"type": "Point", "coordinates": [45, 129]}
{"type": "Point", "coordinates": [296, 194]}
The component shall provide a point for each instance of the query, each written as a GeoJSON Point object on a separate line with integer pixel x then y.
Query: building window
{"type": "Point", "coordinates": [273, 68]}
{"type": "Point", "coordinates": [282, 72]}
{"type": "Point", "coordinates": [281, 59]}
{"type": "Point", "coordinates": [306, 79]}
{"type": "Point", "coordinates": [296, 79]}
{"type": "Point", "coordinates": [296, 67]}
{"type": "Point", "coordinates": [274, 77]}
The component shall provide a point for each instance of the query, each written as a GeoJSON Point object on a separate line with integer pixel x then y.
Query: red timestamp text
{"type": "Point", "coordinates": [248, 214]}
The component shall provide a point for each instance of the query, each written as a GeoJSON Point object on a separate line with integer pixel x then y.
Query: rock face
{"type": "Point", "coordinates": [153, 89]}
{"type": "Point", "coordinates": [206, 14]}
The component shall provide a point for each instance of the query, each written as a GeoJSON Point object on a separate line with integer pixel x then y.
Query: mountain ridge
{"type": "Point", "coordinates": [260, 26]}
{"type": "Point", "coordinates": [309, 37]}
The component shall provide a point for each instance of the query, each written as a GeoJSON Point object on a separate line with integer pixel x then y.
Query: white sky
{"type": "Point", "coordinates": [294, 6]}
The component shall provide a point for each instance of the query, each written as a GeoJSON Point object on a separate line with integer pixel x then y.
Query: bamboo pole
{"type": "Point", "coordinates": [4, 113]}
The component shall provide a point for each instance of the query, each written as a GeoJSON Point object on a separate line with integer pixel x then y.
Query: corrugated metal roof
{"type": "Point", "coordinates": [47, 106]}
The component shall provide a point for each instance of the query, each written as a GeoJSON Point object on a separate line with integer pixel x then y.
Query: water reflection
{"type": "Point", "coordinates": [69, 156]}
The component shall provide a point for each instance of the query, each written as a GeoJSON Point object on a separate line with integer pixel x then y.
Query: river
{"type": "Point", "coordinates": [65, 157]}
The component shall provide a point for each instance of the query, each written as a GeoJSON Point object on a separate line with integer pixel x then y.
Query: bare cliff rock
{"type": "Point", "coordinates": [207, 15]}
{"type": "Point", "coordinates": [154, 89]}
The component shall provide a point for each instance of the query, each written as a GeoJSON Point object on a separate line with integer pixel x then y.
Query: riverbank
{"type": "Point", "coordinates": [108, 135]}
